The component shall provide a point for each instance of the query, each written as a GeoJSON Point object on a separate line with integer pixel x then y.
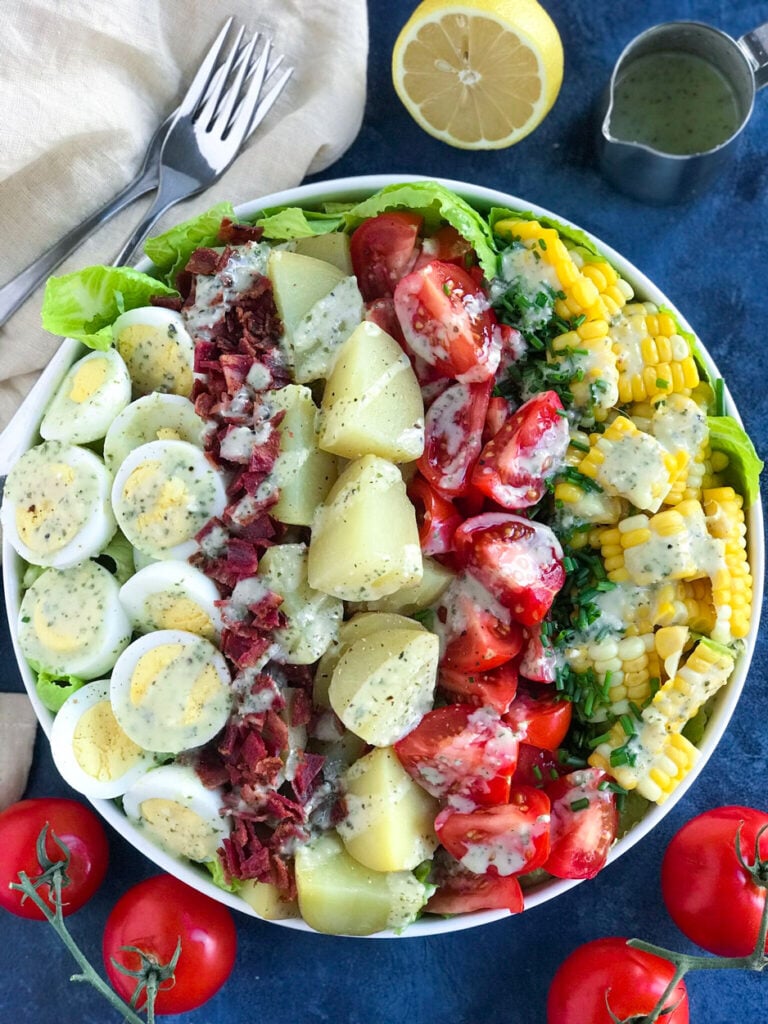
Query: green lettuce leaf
{"type": "Point", "coordinates": [744, 464]}
{"type": "Point", "coordinates": [217, 876]}
{"type": "Point", "coordinates": [575, 236]}
{"type": "Point", "coordinates": [292, 222]}
{"type": "Point", "coordinates": [435, 203]}
{"type": "Point", "coordinates": [117, 558]}
{"type": "Point", "coordinates": [53, 690]}
{"type": "Point", "coordinates": [171, 250]}
{"type": "Point", "coordinates": [84, 305]}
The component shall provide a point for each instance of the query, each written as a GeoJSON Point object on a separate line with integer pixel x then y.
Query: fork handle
{"type": "Point", "coordinates": [172, 188]}
{"type": "Point", "coordinates": [19, 288]}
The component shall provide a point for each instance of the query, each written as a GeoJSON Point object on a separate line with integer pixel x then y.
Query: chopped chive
{"type": "Point", "coordinates": [661, 383]}
{"type": "Point", "coordinates": [619, 757]}
{"type": "Point", "coordinates": [543, 244]}
{"type": "Point", "coordinates": [627, 725]}
{"type": "Point", "coordinates": [597, 740]}
{"type": "Point", "coordinates": [554, 773]}
{"type": "Point", "coordinates": [580, 446]}
{"type": "Point", "coordinates": [580, 805]}
{"type": "Point", "coordinates": [578, 320]}
{"type": "Point", "coordinates": [655, 683]}
{"type": "Point", "coordinates": [589, 704]}
{"type": "Point", "coordinates": [607, 685]}
{"type": "Point", "coordinates": [537, 773]}
{"type": "Point", "coordinates": [635, 710]}
{"type": "Point", "coordinates": [447, 288]}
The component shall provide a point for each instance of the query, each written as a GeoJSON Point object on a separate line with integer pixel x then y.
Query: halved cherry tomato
{"type": "Point", "coordinates": [497, 415]}
{"type": "Point", "coordinates": [538, 717]}
{"type": "Point", "coordinates": [460, 750]}
{"type": "Point", "coordinates": [506, 840]}
{"type": "Point", "coordinates": [447, 320]}
{"type": "Point", "coordinates": [448, 246]}
{"type": "Point", "coordinates": [381, 312]}
{"type": "Point", "coordinates": [539, 663]}
{"type": "Point", "coordinates": [536, 767]}
{"type": "Point", "coordinates": [514, 466]}
{"type": "Point", "coordinates": [461, 891]}
{"type": "Point", "coordinates": [584, 824]}
{"type": "Point", "coordinates": [453, 436]}
{"type": "Point", "coordinates": [518, 560]}
{"type": "Point", "coordinates": [477, 640]}
{"type": "Point", "coordinates": [495, 689]}
{"type": "Point", "coordinates": [436, 517]}
{"type": "Point", "coordinates": [383, 249]}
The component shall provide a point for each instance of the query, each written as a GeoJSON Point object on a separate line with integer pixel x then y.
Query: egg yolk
{"type": "Point", "coordinates": [164, 517]}
{"type": "Point", "coordinates": [168, 677]}
{"type": "Point", "coordinates": [181, 830]}
{"type": "Point", "coordinates": [47, 521]}
{"type": "Point", "coordinates": [148, 669]}
{"type": "Point", "coordinates": [100, 746]}
{"type": "Point", "coordinates": [156, 360]}
{"type": "Point", "coordinates": [87, 380]}
{"type": "Point", "coordinates": [168, 611]}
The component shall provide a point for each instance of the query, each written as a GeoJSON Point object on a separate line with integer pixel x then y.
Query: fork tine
{"type": "Point", "coordinates": [199, 83]}
{"type": "Point", "coordinates": [246, 70]}
{"type": "Point", "coordinates": [268, 100]}
{"type": "Point", "coordinates": [238, 130]}
{"type": "Point", "coordinates": [208, 110]}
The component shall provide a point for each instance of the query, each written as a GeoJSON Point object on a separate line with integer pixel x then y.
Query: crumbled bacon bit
{"type": "Point", "coordinates": [233, 233]}
{"type": "Point", "coordinates": [173, 302]}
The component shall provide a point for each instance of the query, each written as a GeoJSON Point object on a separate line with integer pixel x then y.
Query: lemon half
{"type": "Point", "coordinates": [480, 74]}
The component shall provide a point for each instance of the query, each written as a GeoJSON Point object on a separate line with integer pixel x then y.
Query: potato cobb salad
{"type": "Point", "coordinates": [383, 558]}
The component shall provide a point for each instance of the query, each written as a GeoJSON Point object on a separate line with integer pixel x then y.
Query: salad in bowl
{"type": "Point", "coordinates": [381, 557]}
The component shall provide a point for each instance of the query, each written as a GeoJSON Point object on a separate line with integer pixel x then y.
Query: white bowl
{"type": "Point", "coordinates": [22, 433]}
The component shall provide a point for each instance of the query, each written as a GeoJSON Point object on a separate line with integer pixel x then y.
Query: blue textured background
{"type": "Point", "coordinates": [710, 259]}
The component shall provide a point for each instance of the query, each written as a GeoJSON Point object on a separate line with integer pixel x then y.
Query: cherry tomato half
{"type": "Point", "coordinates": [508, 839]}
{"type": "Point", "coordinates": [709, 895]}
{"type": "Point", "coordinates": [518, 560]}
{"type": "Point", "coordinates": [382, 250]}
{"type": "Point", "coordinates": [76, 826]}
{"type": "Point", "coordinates": [584, 824]}
{"type": "Point", "coordinates": [514, 465]}
{"type": "Point", "coordinates": [495, 689]}
{"type": "Point", "coordinates": [476, 640]}
{"type": "Point", "coordinates": [460, 891]}
{"type": "Point", "coordinates": [536, 767]}
{"type": "Point", "coordinates": [453, 436]}
{"type": "Point", "coordinates": [448, 246]}
{"type": "Point", "coordinates": [607, 977]}
{"type": "Point", "coordinates": [447, 321]}
{"type": "Point", "coordinates": [538, 717]}
{"type": "Point", "coordinates": [459, 749]}
{"type": "Point", "coordinates": [153, 916]}
{"type": "Point", "coordinates": [436, 517]}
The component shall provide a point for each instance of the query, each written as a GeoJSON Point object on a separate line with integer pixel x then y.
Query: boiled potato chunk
{"type": "Point", "coordinates": [340, 896]}
{"type": "Point", "coordinates": [435, 579]}
{"type": "Point", "coordinates": [320, 334]}
{"type": "Point", "coordinates": [372, 402]}
{"type": "Point", "coordinates": [313, 616]}
{"type": "Point", "coordinates": [384, 683]}
{"type": "Point", "coordinates": [365, 542]}
{"type": "Point", "coordinates": [333, 247]}
{"type": "Point", "coordinates": [362, 624]}
{"type": "Point", "coordinates": [303, 473]}
{"type": "Point", "coordinates": [299, 282]}
{"type": "Point", "coordinates": [390, 819]}
{"type": "Point", "coordinates": [267, 901]}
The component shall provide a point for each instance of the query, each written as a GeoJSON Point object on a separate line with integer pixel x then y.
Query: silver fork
{"type": "Point", "coordinates": [209, 128]}
{"type": "Point", "coordinates": [20, 287]}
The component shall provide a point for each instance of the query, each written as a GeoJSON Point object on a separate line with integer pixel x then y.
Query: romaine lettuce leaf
{"type": "Point", "coordinates": [83, 305]}
{"type": "Point", "coordinates": [435, 203]}
{"type": "Point", "coordinates": [171, 250]}
{"type": "Point", "coordinates": [745, 465]}
{"type": "Point", "coordinates": [293, 222]}
{"type": "Point", "coordinates": [53, 690]}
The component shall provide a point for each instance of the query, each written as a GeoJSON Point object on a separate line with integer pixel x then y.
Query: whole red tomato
{"type": "Point", "coordinates": [76, 826]}
{"type": "Point", "coordinates": [153, 916]}
{"type": "Point", "coordinates": [709, 895]}
{"type": "Point", "coordinates": [607, 977]}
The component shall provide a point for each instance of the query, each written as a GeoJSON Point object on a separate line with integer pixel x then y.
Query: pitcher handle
{"type": "Point", "coordinates": [755, 46]}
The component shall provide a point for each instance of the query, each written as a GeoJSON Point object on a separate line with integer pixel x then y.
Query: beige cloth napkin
{"type": "Point", "coordinates": [84, 85]}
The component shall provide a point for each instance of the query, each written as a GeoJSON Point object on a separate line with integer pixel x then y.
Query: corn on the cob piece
{"type": "Point", "coordinates": [587, 505]}
{"type": "Point", "coordinates": [651, 755]}
{"type": "Point", "coordinates": [629, 463]}
{"type": "Point", "coordinates": [732, 584]}
{"type": "Point", "coordinates": [626, 664]}
{"type": "Point", "coordinates": [652, 358]}
{"type": "Point", "coordinates": [684, 603]}
{"type": "Point", "coordinates": [671, 545]}
{"type": "Point", "coordinates": [680, 425]}
{"type": "Point", "coordinates": [586, 350]}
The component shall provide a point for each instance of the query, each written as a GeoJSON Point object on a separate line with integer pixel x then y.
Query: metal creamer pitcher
{"type": "Point", "coordinates": [649, 171]}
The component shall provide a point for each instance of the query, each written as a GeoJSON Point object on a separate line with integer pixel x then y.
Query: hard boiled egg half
{"type": "Point", "coordinates": [154, 417]}
{"type": "Point", "coordinates": [89, 748]}
{"type": "Point", "coordinates": [163, 495]}
{"type": "Point", "coordinates": [71, 621]}
{"type": "Point", "coordinates": [170, 691]}
{"type": "Point", "coordinates": [56, 509]}
{"type": "Point", "coordinates": [92, 393]}
{"type": "Point", "coordinates": [172, 595]}
{"type": "Point", "coordinates": [172, 805]}
{"type": "Point", "coordinates": [157, 349]}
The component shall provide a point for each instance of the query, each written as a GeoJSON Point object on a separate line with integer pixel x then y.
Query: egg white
{"type": "Point", "coordinates": [171, 805]}
{"type": "Point", "coordinates": [170, 691]}
{"type": "Point", "coordinates": [90, 750]}
{"type": "Point", "coordinates": [56, 509]}
{"type": "Point", "coordinates": [164, 493]}
{"type": "Point", "coordinates": [172, 595]}
{"type": "Point", "coordinates": [155, 417]}
{"type": "Point", "coordinates": [71, 621]}
{"type": "Point", "coordinates": [95, 389]}
{"type": "Point", "coordinates": [157, 348]}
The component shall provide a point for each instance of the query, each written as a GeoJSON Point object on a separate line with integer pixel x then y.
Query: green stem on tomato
{"type": "Point", "coordinates": [56, 919]}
